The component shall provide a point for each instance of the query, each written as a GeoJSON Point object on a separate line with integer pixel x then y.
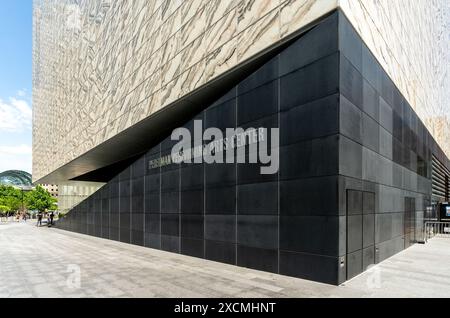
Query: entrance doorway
{"type": "Point", "coordinates": [409, 222]}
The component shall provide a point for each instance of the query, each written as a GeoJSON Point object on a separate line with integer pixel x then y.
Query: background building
{"type": "Point", "coordinates": [52, 189]}
{"type": "Point", "coordinates": [112, 79]}
{"type": "Point", "coordinates": [16, 178]}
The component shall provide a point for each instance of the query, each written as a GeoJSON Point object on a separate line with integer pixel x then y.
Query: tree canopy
{"type": "Point", "coordinates": [41, 200]}
{"type": "Point", "coordinates": [12, 200]}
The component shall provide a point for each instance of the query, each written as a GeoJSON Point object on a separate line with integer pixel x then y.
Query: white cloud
{"type": "Point", "coordinates": [22, 92]}
{"type": "Point", "coordinates": [15, 115]}
{"type": "Point", "coordinates": [15, 158]}
{"type": "Point", "coordinates": [15, 150]}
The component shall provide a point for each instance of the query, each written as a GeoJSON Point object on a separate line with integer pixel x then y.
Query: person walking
{"type": "Point", "coordinates": [51, 216]}
{"type": "Point", "coordinates": [39, 219]}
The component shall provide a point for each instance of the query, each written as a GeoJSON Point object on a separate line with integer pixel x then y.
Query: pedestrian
{"type": "Point", "coordinates": [39, 219]}
{"type": "Point", "coordinates": [52, 215]}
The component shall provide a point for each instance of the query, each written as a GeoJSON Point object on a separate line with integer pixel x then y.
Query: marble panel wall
{"type": "Point", "coordinates": [101, 66]}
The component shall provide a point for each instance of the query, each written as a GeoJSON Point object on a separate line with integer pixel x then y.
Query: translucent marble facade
{"type": "Point", "coordinates": [101, 66]}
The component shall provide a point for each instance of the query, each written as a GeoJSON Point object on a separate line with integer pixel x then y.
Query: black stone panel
{"type": "Point", "coordinates": [139, 168]}
{"type": "Point", "coordinates": [315, 81]}
{"type": "Point", "coordinates": [220, 174]}
{"type": "Point", "coordinates": [310, 234]}
{"type": "Point", "coordinates": [387, 88]}
{"type": "Point", "coordinates": [248, 173]}
{"type": "Point", "coordinates": [354, 233]}
{"type": "Point", "coordinates": [386, 144]}
{"type": "Point", "coordinates": [368, 230]}
{"type": "Point", "coordinates": [370, 133]}
{"type": "Point", "coordinates": [369, 206]}
{"type": "Point", "coordinates": [354, 202]}
{"type": "Point", "coordinates": [316, 119]}
{"type": "Point", "coordinates": [258, 231]}
{"type": "Point", "coordinates": [317, 43]}
{"type": "Point", "coordinates": [192, 226]}
{"type": "Point", "coordinates": [268, 123]}
{"type": "Point", "coordinates": [258, 198]}
{"type": "Point", "coordinates": [371, 69]}
{"type": "Point", "coordinates": [222, 116]}
{"type": "Point", "coordinates": [368, 257]}
{"type": "Point", "coordinates": [317, 157]}
{"type": "Point", "coordinates": [350, 158]}
{"type": "Point", "coordinates": [192, 201]}
{"type": "Point", "coordinates": [152, 240]}
{"type": "Point", "coordinates": [137, 221]}
{"type": "Point", "coordinates": [153, 203]}
{"type": "Point", "coordinates": [388, 226]}
{"type": "Point", "coordinates": [153, 183]}
{"type": "Point", "coordinates": [153, 223]}
{"type": "Point", "coordinates": [166, 146]}
{"type": "Point", "coordinates": [351, 82]}
{"type": "Point", "coordinates": [371, 101]}
{"type": "Point", "coordinates": [137, 237]}
{"type": "Point", "coordinates": [193, 247]}
{"type": "Point", "coordinates": [354, 264]}
{"type": "Point", "coordinates": [170, 202]}
{"type": "Point", "coordinates": [314, 197]}
{"type": "Point", "coordinates": [137, 204]}
{"type": "Point", "coordinates": [257, 258]}
{"type": "Point", "coordinates": [350, 44]}
{"type": "Point", "coordinates": [389, 248]}
{"type": "Point", "coordinates": [170, 180]}
{"type": "Point", "coordinates": [350, 120]}
{"type": "Point", "coordinates": [192, 177]}
{"type": "Point", "coordinates": [264, 75]}
{"type": "Point", "coordinates": [170, 224]}
{"type": "Point", "coordinates": [170, 243]}
{"type": "Point", "coordinates": [125, 234]}
{"type": "Point", "coordinates": [386, 116]}
{"type": "Point", "coordinates": [309, 266]}
{"type": "Point", "coordinates": [257, 103]}
{"type": "Point", "coordinates": [220, 200]}
{"type": "Point", "coordinates": [232, 93]}
{"type": "Point", "coordinates": [220, 228]}
{"type": "Point", "coordinates": [220, 252]}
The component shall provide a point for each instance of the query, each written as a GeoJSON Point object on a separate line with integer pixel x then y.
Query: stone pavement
{"type": "Point", "coordinates": [42, 262]}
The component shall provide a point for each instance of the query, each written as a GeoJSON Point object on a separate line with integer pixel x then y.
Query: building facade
{"type": "Point", "coordinates": [362, 117]}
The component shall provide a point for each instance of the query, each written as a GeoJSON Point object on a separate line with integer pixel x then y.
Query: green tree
{"type": "Point", "coordinates": [10, 198]}
{"type": "Point", "coordinates": [40, 199]}
{"type": "Point", "coordinates": [4, 209]}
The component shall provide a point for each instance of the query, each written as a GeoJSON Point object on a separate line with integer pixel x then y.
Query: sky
{"type": "Point", "coordinates": [15, 85]}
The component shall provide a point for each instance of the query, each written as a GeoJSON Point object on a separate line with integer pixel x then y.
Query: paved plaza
{"type": "Point", "coordinates": [43, 262]}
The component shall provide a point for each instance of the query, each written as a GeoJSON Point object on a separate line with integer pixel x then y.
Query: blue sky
{"type": "Point", "coordinates": [15, 84]}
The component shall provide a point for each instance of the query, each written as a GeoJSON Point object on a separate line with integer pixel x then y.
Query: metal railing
{"type": "Point", "coordinates": [434, 228]}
